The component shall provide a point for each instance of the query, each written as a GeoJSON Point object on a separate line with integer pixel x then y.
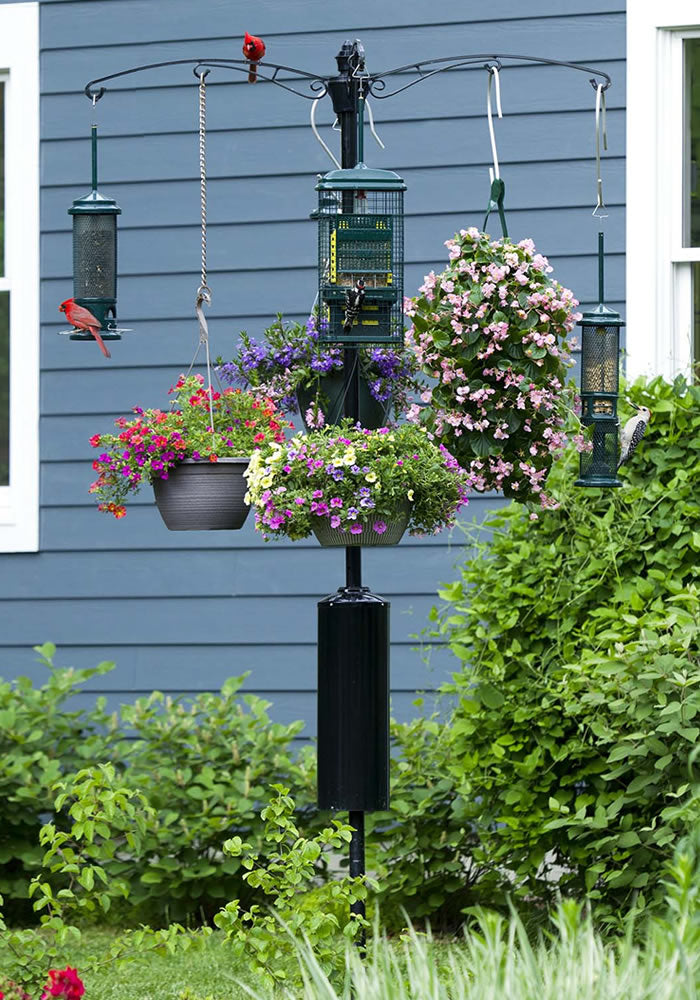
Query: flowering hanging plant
{"type": "Point", "coordinates": [350, 476]}
{"type": "Point", "coordinates": [292, 358]}
{"type": "Point", "coordinates": [491, 331]}
{"type": "Point", "coordinates": [150, 445]}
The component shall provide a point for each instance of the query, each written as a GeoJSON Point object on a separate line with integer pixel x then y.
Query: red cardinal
{"type": "Point", "coordinates": [253, 49]}
{"type": "Point", "coordinates": [82, 319]}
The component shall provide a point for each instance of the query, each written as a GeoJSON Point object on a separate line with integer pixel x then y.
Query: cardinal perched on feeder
{"type": "Point", "coordinates": [253, 49]}
{"type": "Point", "coordinates": [82, 319]}
{"type": "Point", "coordinates": [353, 302]}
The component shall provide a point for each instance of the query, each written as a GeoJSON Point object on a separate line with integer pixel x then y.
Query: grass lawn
{"type": "Point", "coordinates": [204, 972]}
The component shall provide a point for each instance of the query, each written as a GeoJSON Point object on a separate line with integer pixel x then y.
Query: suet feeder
{"type": "Point", "coordinates": [600, 360]}
{"type": "Point", "coordinates": [360, 237]}
{"type": "Point", "coordinates": [95, 255]}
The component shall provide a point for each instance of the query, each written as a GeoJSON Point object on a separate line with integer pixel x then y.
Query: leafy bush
{"type": "Point", "coordinates": [205, 765]}
{"type": "Point", "coordinates": [287, 873]}
{"type": "Point", "coordinates": [566, 765]}
{"type": "Point", "coordinates": [40, 740]}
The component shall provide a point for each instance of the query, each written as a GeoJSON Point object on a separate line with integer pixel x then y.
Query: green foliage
{"type": "Point", "coordinates": [105, 817]}
{"type": "Point", "coordinates": [567, 759]}
{"type": "Point", "coordinates": [499, 956]}
{"type": "Point", "coordinates": [205, 765]}
{"type": "Point", "coordinates": [287, 873]}
{"type": "Point", "coordinates": [40, 740]}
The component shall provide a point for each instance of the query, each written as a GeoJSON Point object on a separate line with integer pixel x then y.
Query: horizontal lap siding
{"type": "Point", "coordinates": [180, 612]}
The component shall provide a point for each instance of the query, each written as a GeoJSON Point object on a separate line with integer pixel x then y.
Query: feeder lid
{"type": "Point", "coordinates": [94, 203]}
{"type": "Point", "coordinates": [361, 178]}
{"type": "Point", "coordinates": [602, 315]}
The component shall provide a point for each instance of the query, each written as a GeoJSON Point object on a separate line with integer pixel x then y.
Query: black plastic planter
{"type": "Point", "coordinates": [203, 495]}
{"type": "Point", "coordinates": [372, 413]}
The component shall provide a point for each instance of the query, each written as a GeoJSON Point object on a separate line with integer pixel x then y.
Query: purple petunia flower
{"type": "Point", "coordinates": [355, 529]}
{"type": "Point", "coordinates": [379, 527]}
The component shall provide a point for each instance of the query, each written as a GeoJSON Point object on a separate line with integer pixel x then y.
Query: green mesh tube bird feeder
{"type": "Point", "coordinates": [360, 244]}
{"type": "Point", "coordinates": [95, 255]}
{"type": "Point", "coordinates": [600, 360]}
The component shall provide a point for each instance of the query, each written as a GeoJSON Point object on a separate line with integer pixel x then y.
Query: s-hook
{"type": "Point", "coordinates": [498, 188]}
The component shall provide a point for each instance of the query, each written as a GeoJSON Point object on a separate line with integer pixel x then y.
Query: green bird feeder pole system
{"type": "Point", "coordinates": [95, 255]}
{"type": "Point", "coordinates": [360, 300]}
{"type": "Point", "coordinates": [600, 367]}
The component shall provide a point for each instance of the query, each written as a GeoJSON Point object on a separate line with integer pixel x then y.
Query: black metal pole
{"type": "Point", "coordinates": [345, 94]}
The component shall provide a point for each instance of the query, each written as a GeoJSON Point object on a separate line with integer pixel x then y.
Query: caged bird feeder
{"type": "Point", "coordinates": [360, 240]}
{"type": "Point", "coordinates": [600, 354]}
{"type": "Point", "coordinates": [95, 255]}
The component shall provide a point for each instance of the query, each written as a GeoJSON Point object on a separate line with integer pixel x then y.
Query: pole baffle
{"type": "Point", "coordinates": [353, 701]}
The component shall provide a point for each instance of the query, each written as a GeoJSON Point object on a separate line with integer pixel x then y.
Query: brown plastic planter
{"type": "Point", "coordinates": [203, 496]}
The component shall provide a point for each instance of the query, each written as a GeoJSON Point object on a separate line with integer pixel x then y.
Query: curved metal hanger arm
{"type": "Point", "coordinates": [430, 67]}
{"type": "Point", "coordinates": [317, 84]}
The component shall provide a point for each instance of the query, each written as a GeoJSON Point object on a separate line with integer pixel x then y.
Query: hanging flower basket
{"type": "Point", "coordinates": [291, 367]}
{"type": "Point", "coordinates": [203, 495]}
{"type": "Point", "coordinates": [373, 531]}
{"type": "Point", "coordinates": [196, 470]}
{"type": "Point", "coordinates": [355, 486]}
{"type": "Point", "coordinates": [490, 330]}
{"type": "Point", "coordinates": [330, 397]}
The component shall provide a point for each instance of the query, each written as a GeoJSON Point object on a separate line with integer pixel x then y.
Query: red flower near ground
{"type": "Point", "coordinates": [64, 983]}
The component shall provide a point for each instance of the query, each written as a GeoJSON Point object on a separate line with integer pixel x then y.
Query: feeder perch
{"type": "Point", "coordinates": [360, 236]}
{"type": "Point", "coordinates": [95, 255]}
{"type": "Point", "coordinates": [600, 354]}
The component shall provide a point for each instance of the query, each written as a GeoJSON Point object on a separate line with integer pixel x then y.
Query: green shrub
{"type": "Point", "coordinates": [205, 765]}
{"type": "Point", "coordinates": [287, 873]}
{"type": "Point", "coordinates": [566, 762]}
{"type": "Point", "coordinates": [40, 740]}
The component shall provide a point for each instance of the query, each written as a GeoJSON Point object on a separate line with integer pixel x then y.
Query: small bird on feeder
{"type": "Point", "coordinates": [82, 319]}
{"type": "Point", "coordinates": [353, 302]}
{"type": "Point", "coordinates": [632, 433]}
{"type": "Point", "coordinates": [254, 50]}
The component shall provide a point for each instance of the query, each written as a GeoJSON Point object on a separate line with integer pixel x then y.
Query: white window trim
{"type": "Point", "coordinates": [658, 279]}
{"type": "Point", "coordinates": [19, 69]}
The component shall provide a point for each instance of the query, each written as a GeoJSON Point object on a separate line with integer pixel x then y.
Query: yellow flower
{"type": "Point", "coordinates": [410, 494]}
{"type": "Point", "coordinates": [371, 477]}
{"type": "Point", "coordinates": [337, 462]}
{"type": "Point", "coordinates": [349, 458]}
{"type": "Point", "coordinates": [266, 482]}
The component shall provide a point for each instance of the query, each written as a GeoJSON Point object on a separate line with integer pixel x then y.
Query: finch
{"type": "Point", "coordinates": [253, 49]}
{"type": "Point", "coordinates": [82, 319]}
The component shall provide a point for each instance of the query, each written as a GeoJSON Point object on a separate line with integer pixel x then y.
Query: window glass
{"type": "Point", "coordinates": [696, 319]}
{"type": "Point", "coordinates": [4, 388]}
{"type": "Point", "coordinates": [692, 160]}
{"type": "Point", "coordinates": [4, 318]}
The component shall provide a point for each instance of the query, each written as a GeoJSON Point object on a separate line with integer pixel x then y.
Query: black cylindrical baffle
{"type": "Point", "coordinates": [353, 701]}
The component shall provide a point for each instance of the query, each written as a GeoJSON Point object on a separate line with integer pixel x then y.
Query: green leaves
{"type": "Point", "coordinates": [577, 649]}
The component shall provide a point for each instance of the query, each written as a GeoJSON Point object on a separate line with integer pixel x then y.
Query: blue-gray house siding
{"type": "Point", "coordinates": [183, 611]}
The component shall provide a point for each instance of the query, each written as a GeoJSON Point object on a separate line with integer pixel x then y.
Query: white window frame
{"type": "Point", "coordinates": [19, 70]}
{"type": "Point", "coordinates": [659, 268]}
